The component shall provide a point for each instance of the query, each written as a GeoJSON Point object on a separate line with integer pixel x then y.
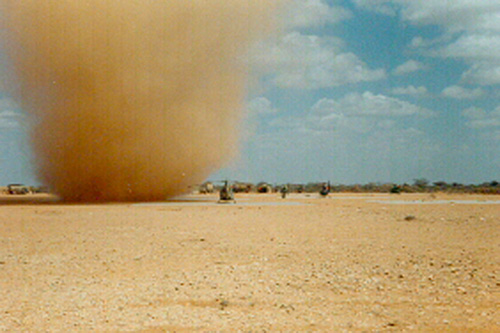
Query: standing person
{"type": "Point", "coordinates": [284, 191]}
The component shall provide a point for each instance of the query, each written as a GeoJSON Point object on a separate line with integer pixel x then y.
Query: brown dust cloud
{"type": "Point", "coordinates": [131, 100]}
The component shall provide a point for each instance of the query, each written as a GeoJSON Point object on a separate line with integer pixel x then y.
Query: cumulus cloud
{"type": "Point", "coordinates": [9, 116]}
{"type": "Point", "coordinates": [368, 104]}
{"type": "Point", "coordinates": [380, 130]}
{"type": "Point", "coordinates": [471, 32]}
{"type": "Point", "coordinates": [355, 112]}
{"type": "Point", "coordinates": [481, 52]}
{"type": "Point", "coordinates": [483, 73]}
{"type": "Point", "coordinates": [255, 108]}
{"type": "Point", "coordinates": [484, 123]}
{"type": "Point", "coordinates": [260, 105]}
{"type": "Point", "coordinates": [311, 62]}
{"type": "Point", "coordinates": [313, 13]}
{"type": "Point", "coordinates": [410, 90]}
{"type": "Point", "coordinates": [8, 119]}
{"type": "Point", "coordinates": [459, 15]}
{"type": "Point", "coordinates": [474, 113]}
{"type": "Point", "coordinates": [458, 92]}
{"type": "Point", "coordinates": [409, 67]}
{"type": "Point", "coordinates": [419, 42]}
{"type": "Point", "coordinates": [379, 6]}
{"type": "Point", "coordinates": [475, 47]}
{"type": "Point", "coordinates": [480, 119]}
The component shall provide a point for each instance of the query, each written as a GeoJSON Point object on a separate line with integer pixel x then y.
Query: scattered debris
{"type": "Point", "coordinates": [223, 304]}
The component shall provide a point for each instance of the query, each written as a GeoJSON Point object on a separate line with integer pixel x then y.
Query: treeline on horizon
{"type": "Point", "coordinates": [421, 185]}
{"type": "Point", "coordinates": [418, 186]}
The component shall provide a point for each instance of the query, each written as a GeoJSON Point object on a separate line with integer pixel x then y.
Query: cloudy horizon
{"type": "Point", "coordinates": [356, 91]}
{"type": "Point", "coordinates": [378, 91]}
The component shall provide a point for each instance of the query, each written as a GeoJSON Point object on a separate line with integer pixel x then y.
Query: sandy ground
{"type": "Point", "coordinates": [343, 263]}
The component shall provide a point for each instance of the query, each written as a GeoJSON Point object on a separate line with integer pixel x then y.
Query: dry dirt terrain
{"type": "Point", "coordinates": [343, 263]}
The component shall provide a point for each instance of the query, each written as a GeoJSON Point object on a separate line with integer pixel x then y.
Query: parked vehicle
{"type": "Point", "coordinates": [17, 189]}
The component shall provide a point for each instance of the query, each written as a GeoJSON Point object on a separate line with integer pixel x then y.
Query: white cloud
{"type": "Point", "coordinates": [477, 47]}
{"type": "Point", "coordinates": [385, 147]}
{"type": "Point", "coordinates": [474, 113]}
{"type": "Point", "coordinates": [471, 32]}
{"type": "Point", "coordinates": [311, 62]}
{"type": "Point", "coordinates": [480, 119]}
{"type": "Point", "coordinates": [313, 13]}
{"type": "Point", "coordinates": [483, 123]}
{"type": "Point", "coordinates": [418, 42]}
{"type": "Point", "coordinates": [410, 90]}
{"type": "Point", "coordinates": [360, 113]}
{"type": "Point", "coordinates": [378, 6]}
{"type": "Point", "coordinates": [458, 92]}
{"type": "Point", "coordinates": [255, 108]}
{"type": "Point", "coordinates": [9, 117]}
{"type": "Point", "coordinates": [368, 104]}
{"type": "Point", "coordinates": [409, 67]}
{"type": "Point", "coordinates": [482, 52]}
{"type": "Point", "coordinates": [457, 15]}
{"type": "Point", "coordinates": [260, 105]}
{"type": "Point", "coordinates": [483, 73]}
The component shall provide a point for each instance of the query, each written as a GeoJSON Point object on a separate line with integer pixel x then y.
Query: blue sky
{"type": "Point", "coordinates": [358, 91]}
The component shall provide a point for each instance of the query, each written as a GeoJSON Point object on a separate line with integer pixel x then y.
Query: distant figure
{"type": "Point", "coordinates": [325, 189]}
{"type": "Point", "coordinates": [284, 191]}
{"type": "Point", "coordinates": [226, 193]}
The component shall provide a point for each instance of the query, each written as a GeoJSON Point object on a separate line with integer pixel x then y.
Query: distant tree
{"type": "Point", "coordinates": [370, 187]}
{"type": "Point", "coordinates": [421, 183]}
{"type": "Point", "coordinates": [312, 187]}
{"type": "Point", "coordinates": [408, 188]}
{"type": "Point", "coordinates": [396, 189]}
{"type": "Point", "coordinates": [356, 188]}
{"type": "Point", "coordinates": [385, 188]}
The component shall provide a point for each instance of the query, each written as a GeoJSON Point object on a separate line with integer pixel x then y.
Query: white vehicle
{"type": "Point", "coordinates": [17, 189]}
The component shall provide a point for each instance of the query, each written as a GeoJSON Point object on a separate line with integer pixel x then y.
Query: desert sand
{"type": "Point", "coordinates": [349, 262]}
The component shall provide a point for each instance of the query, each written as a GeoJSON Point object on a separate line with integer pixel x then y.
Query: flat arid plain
{"type": "Point", "coordinates": [349, 262]}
